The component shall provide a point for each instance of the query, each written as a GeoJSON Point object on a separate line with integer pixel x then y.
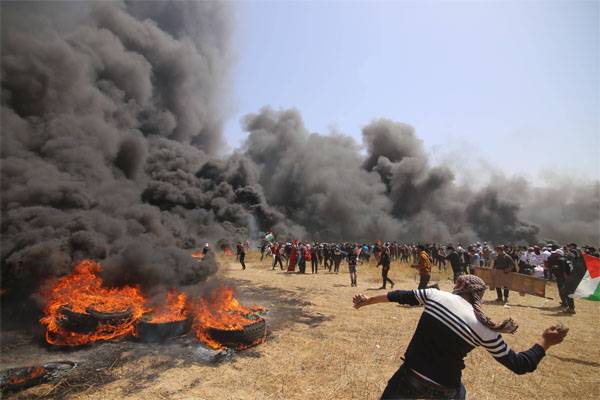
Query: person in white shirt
{"type": "Point", "coordinates": [536, 260]}
{"type": "Point", "coordinates": [545, 255]}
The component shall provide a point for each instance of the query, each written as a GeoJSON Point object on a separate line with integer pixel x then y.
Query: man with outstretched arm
{"type": "Point", "coordinates": [452, 325]}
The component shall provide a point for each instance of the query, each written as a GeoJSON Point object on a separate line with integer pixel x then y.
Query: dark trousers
{"type": "Point", "coordinates": [404, 384]}
{"type": "Point", "coordinates": [352, 269]}
{"type": "Point", "coordinates": [456, 272]}
{"type": "Point", "coordinates": [562, 290]}
{"type": "Point", "coordinates": [336, 265]}
{"type": "Point", "coordinates": [384, 275]}
{"type": "Point", "coordinates": [302, 266]}
{"type": "Point", "coordinates": [277, 259]}
{"type": "Point", "coordinates": [423, 281]}
{"type": "Point", "coordinates": [242, 257]}
{"type": "Point", "coordinates": [499, 293]}
{"type": "Point", "coordinates": [314, 263]}
{"type": "Point", "coordinates": [328, 263]}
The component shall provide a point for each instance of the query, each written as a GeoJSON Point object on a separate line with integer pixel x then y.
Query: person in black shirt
{"type": "Point", "coordinates": [454, 258]}
{"type": "Point", "coordinates": [452, 325]}
{"type": "Point", "coordinates": [560, 269]}
{"type": "Point", "coordinates": [384, 261]}
{"type": "Point", "coordinates": [314, 258]}
{"type": "Point", "coordinates": [241, 254]}
{"type": "Point", "coordinates": [337, 259]}
{"type": "Point", "coordinates": [352, 261]}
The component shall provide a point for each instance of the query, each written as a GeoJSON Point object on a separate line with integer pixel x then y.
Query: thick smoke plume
{"type": "Point", "coordinates": [100, 124]}
{"type": "Point", "coordinates": [111, 139]}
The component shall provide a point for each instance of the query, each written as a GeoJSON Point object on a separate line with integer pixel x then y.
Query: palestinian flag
{"type": "Point", "coordinates": [269, 237]}
{"type": "Point", "coordinates": [589, 286]}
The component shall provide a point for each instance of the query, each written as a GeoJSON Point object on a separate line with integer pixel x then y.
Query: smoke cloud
{"type": "Point", "coordinates": [112, 117]}
{"type": "Point", "coordinates": [104, 125]}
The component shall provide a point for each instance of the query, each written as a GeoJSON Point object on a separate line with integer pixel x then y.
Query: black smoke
{"type": "Point", "coordinates": [105, 121]}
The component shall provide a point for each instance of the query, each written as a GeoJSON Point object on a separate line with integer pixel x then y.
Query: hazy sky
{"type": "Point", "coordinates": [514, 84]}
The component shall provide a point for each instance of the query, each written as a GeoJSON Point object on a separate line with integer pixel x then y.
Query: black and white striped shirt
{"type": "Point", "coordinates": [447, 331]}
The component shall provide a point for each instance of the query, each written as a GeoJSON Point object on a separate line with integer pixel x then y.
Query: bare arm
{"type": "Point", "coordinates": [360, 300]}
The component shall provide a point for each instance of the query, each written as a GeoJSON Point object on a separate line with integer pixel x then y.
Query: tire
{"type": "Point", "coordinates": [103, 317]}
{"type": "Point", "coordinates": [234, 338]}
{"type": "Point", "coordinates": [151, 332]}
{"type": "Point", "coordinates": [75, 321]}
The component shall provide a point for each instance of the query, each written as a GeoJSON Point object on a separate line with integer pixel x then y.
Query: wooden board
{"type": "Point", "coordinates": [524, 284]}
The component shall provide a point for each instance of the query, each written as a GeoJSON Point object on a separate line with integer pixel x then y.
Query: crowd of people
{"type": "Point", "coordinates": [550, 261]}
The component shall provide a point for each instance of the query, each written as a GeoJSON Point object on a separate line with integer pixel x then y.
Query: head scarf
{"type": "Point", "coordinates": [472, 288]}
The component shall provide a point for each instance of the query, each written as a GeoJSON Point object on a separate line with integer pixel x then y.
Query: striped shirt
{"type": "Point", "coordinates": [447, 331]}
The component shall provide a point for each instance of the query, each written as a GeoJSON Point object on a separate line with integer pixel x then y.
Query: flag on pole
{"type": "Point", "coordinates": [269, 237]}
{"type": "Point", "coordinates": [589, 286]}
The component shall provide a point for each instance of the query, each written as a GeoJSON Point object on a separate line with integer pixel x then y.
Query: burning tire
{"type": "Point", "coordinates": [149, 331]}
{"type": "Point", "coordinates": [247, 336]}
{"type": "Point", "coordinates": [75, 321]}
{"type": "Point", "coordinates": [110, 317]}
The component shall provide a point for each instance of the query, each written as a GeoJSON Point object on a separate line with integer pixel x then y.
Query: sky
{"type": "Point", "coordinates": [512, 86]}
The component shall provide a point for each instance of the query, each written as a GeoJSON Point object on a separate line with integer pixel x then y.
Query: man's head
{"type": "Point", "coordinates": [470, 287]}
{"type": "Point", "coordinates": [500, 250]}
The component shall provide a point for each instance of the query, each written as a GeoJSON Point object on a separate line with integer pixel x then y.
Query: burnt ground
{"type": "Point", "coordinates": [140, 364]}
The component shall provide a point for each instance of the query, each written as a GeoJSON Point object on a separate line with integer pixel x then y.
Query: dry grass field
{"type": "Point", "coordinates": [322, 348]}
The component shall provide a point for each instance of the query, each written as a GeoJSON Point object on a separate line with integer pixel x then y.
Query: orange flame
{"type": "Point", "coordinates": [222, 311]}
{"type": "Point", "coordinates": [172, 310]}
{"type": "Point", "coordinates": [197, 254]}
{"type": "Point", "coordinates": [81, 294]}
{"type": "Point", "coordinates": [81, 290]}
{"type": "Point", "coordinates": [227, 251]}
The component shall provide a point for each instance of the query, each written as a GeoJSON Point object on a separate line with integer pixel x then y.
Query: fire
{"type": "Point", "coordinates": [219, 309]}
{"type": "Point", "coordinates": [79, 310]}
{"type": "Point", "coordinates": [173, 310]}
{"type": "Point", "coordinates": [82, 291]}
{"type": "Point", "coordinates": [197, 254]}
{"type": "Point", "coordinates": [227, 251]}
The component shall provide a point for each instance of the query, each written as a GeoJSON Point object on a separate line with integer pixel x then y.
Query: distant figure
{"type": "Point", "coordinates": [424, 267]}
{"type": "Point", "coordinates": [505, 263]}
{"type": "Point", "coordinates": [385, 261]}
{"type": "Point", "coordinates": [352, 261]}
{"type": "Point", "coordinates": [277, 250]}
{"type": "Point", "coordinates": [241, 254]}
{"type": "Point", "coordinates": [293, 257]}
{"type": "Point", "coordinates": [337, 259]}
{"type": "Point", "coordinates": [314, 258]}
{"type": "Point", "coordinates": [205, 250]}
{"type": "Point", "coordinates": [454, 258]}
{"type": "Point", "coordinates": [302, 258]}
{"type": "Point", "coordinates": [452, 325]}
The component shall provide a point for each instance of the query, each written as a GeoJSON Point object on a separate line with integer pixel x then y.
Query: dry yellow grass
{"type": "Point", "coordinates": [321, 348]}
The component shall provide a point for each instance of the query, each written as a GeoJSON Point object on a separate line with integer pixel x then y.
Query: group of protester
{"type": "Point", "coordinates": [551, 261]}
